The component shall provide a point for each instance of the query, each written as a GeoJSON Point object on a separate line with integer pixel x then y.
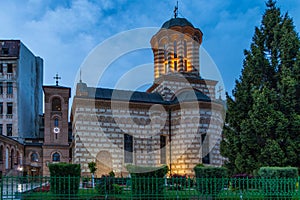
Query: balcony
{"type": "Point", "coordinates": [9, 76]}
{"type": "Point", "coordinates": [9, 116]}
{"type": "Point", "coordinates": [9, 96]}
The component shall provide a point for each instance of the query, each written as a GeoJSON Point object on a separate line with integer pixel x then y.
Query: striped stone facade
{"type": "Point", "coordinates": [177, 122]}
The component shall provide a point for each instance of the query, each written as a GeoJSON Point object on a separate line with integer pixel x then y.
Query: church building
{"type": "Point", "coordinates": [178, 121]}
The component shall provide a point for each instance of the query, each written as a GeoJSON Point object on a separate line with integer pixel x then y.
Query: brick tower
{"type": "Point", "coordinates": [56, 147]}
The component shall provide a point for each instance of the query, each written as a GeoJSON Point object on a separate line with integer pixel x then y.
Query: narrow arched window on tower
{"type": "Point", "coordinates": [175, 49]}
{"type": "Point", "coordinates": [184, 49]}
{"type": "Point", "coordinates": [175, 66]}
{"type": "Point", "coordinates": [56, 104]}
{"type": "Point", "coordinates": [185, 65]}
{"type": "Point", "coordinates": [56, 122]}
{"type": "Point", "coordinates": [56, 157]}
{"type": "Point", "coordinates": [165, 52]}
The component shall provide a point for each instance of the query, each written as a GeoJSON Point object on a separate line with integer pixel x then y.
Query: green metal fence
{"type": "Point", "coordinates": [148, 188]}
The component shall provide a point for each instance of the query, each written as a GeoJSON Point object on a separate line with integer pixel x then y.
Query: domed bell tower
{"type": "Point", "coordinates": [176, 49]}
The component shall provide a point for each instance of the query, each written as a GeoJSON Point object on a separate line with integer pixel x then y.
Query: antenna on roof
{"type": "Point", "coordinates": [176, 10]}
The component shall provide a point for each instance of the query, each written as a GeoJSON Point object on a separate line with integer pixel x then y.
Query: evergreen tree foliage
{"type": "Point", "coordinates": [263, 118]}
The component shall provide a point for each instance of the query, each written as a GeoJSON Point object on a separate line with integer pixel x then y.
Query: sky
{"type": "Point", "coordinates": [64, 33]}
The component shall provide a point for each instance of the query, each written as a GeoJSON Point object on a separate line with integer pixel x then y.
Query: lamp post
{"type": "Point", "coordinates": [20, 185]}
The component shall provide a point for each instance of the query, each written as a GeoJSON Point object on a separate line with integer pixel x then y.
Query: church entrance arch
{"type": "Point", "coordinates": [103, 163]}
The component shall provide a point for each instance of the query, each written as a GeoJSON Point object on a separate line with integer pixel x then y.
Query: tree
{"type": "Point", "coordinates": [263, 117]}
{"type": "Point", "coordinates": [92, 168]}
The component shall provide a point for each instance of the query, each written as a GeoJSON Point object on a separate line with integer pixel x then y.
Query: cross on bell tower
{"type": "Point", "coordinates": [56, 78]}
{"type": "Point", "coordinates": [220, 90]}
{"type": "Point", "coordinates": [176, 10]}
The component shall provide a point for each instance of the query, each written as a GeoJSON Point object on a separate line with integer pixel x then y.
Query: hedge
{"type": "Point", "coordinates": [209, 179]}
{"type": "Point", "coordinates": [279, 180]}
{"type": "Point", "coordinates": [147, 181]}
{"type": "Point", "coordinates": [278, 172]}
{"type": "Point", "coordinates": [65, 178]}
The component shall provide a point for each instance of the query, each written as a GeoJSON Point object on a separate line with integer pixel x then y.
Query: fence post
{"type": "Point", "coordinates": [1, 188]}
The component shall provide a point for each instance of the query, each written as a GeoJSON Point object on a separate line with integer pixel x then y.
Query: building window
{"type": "Point", "coordinates": [128, 148]}
{"type": "Point", "coordinates": [1, 108]}
{"type": "Point", "coordinates": [9, 129]}
{"type": "Point", "coordinates": [163, 159]}
{"type": "Point", "coordinates": [184, 49]}
{"type": "Point", "coordinates": [185, 65]}
{"type": "Point", "coordinates": [34, 157]}
{"type": "Point", "coordinates": [9, 108]}
{"type": "Point", "coordinates": [9, 88]}
{"type": "Point", "coordinates": [205, 149]}
{"type": "Point", "coordinates": [1, 87]}
{"type": "Point", "coordinates": [175, 49]}
{"type": "Point", "coordinates": [12, 156]}
{"type": "Point", "coordinates": [56, 104]}
{"type": "Point", "coordinates": [4, 51]}
{"type": "Point", "coordinates": [9, 68]}
{"type": "Point", "coordinates": [56, 122]}
{"type": "Point", "coordinates": [56, 157]}
{"type": "Point", "coordinates": [205, 159]}
{"type": "Point", "coordinates": [1, 129]}
{"type": "Point", "coordinates": [1, 68]}
{"type": "Point", "coordinates": [1, 154]}
{"type": "Point", "coordinates": [175, 66]}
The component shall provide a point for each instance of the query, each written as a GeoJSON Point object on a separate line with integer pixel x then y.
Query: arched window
{"type": "Point", "coordinates": [165, 52]}
{"type": "Point", "coordinates": [184, 49]}
{"type": "Point", "coordinates": [56, 157]}
{"type": "Point", "coordinates": [56, 122]}
{"type": "Point", "coordinates": [56, 104]}
{"type": "Point", "coordinates": [12, 155]}
{"type": "Point", "coordinates": [34, 157]}
{"type": "Point", "coordinates": [175, 49]}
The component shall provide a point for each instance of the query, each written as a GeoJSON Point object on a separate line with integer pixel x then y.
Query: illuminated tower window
{"type": "Point", "coordinates": [175, 49]}
{"type": "Point", "coordinates": [185, 65]}
{"type": "Point", "coordinates": [175, 65]}
{"type": "Point", "coordinates": [184, 49]}
{"type": "Point", "coordinates": [165, 52]}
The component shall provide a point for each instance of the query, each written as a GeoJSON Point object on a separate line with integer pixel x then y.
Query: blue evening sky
{"type": "Point", "coordinates": [64, 32]}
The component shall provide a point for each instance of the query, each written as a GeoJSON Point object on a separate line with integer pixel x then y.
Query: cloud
{"type": "Point", "coordinates": [64, 32]}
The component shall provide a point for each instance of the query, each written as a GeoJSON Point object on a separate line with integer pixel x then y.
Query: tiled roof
{"type": "Point", "coordinates": [124, 95]}
{"type": "Point", "coordinates": [144, 97]}
{"type": "Point", "coordinates": [177, 22]}
{"type": "Point", "coordinates": [9, 48]}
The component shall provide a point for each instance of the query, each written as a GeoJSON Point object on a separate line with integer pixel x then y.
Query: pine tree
{"type": "Point", "coordinates": [263, 118]}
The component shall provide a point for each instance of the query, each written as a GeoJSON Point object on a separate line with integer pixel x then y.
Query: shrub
{"type": "Point", "coordinates": [105, 185]}
{"type": "Point", "coordinates": [178, 182]}
{"type": "Point", "coordinates": [111, 174]}
{"type": "Point", "coordinates": [210, 180]}
{"type": "Point", "coordinates": [278, 172]}
{"type": "Point", "coordinates": [280, 180]}
{"type": "Point", "coordinates": [65, 178]}
{"type": "Point", "coordinates": [147, 181]}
